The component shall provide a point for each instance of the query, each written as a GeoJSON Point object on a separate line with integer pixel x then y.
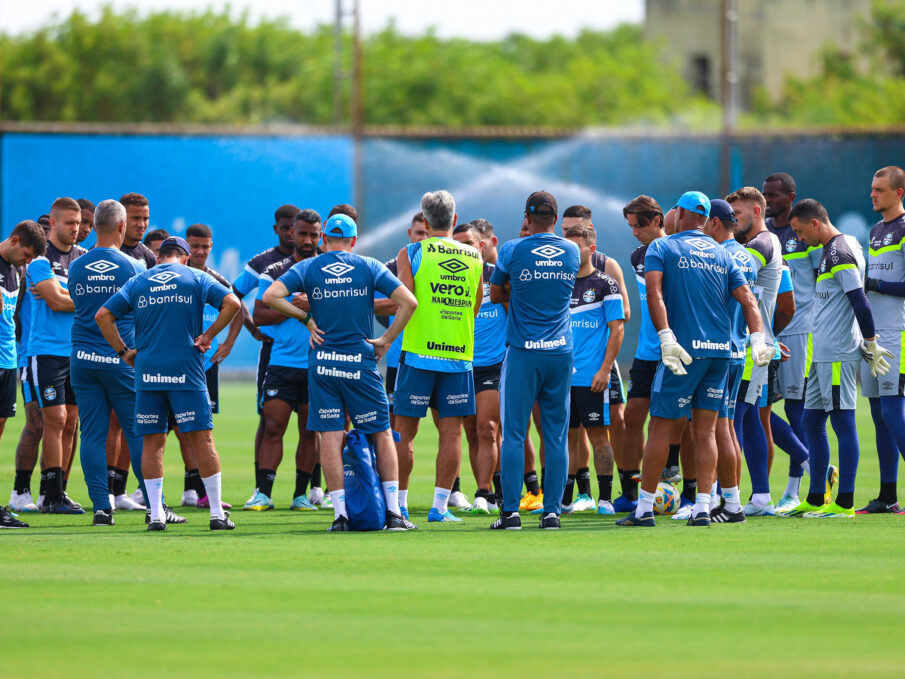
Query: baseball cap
{"type": "Point", "coordinates": [694, 201]}
{"type": "Point", "coordinates": [340, 226]}
{"type": "Point", "coordinates": [179, 242]}
{"type": "Point", "coordinates": [541, 203]}
{"type": "Point", "coordinates": [723, 210]}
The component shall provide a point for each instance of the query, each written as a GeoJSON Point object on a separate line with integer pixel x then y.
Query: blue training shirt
{"type": "Point", "coordinates": [9, 288]}
{"type": "Point", "coordinates": [748, 266]}
{"type": "Point", "coordinates": [168, 302]}
{"type": "Point", "coordinates": [50, 332]}
{"type": "Point", "coordinates": [698, 277]}
{"type": "Point", "coordinates": [248, 281]}
{"type": "Point", "coordinates": [541, 270]}
{"type": "Point", "coordinates": [489, 327]}
{"type": "Point", "coordinates": [93, 279]}
{"type": "Point", "coordinates": [210, 315]}
{"type": "Point", "coordinates": [290, 337]}
{"type": "Point", "coordinates": [648, 341]}
{"type": "Point", "coordinates": [24, 328]}
{"type": "Point", "coordinates": [596, 301]}
{"type": "Point", "coordinates": [394, 353]}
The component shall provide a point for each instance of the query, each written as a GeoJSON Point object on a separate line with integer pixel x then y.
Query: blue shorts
{"type": "Point", "coordinates": [192, 410]}
{"type": "Point", "coordinates": [733, 382]}
{"type": "Point", "coordinates": [703, 388]}
{"type": "Point", "coordinates": [335, 389]}
{"type": "Point", "coordinates": [454, 392]}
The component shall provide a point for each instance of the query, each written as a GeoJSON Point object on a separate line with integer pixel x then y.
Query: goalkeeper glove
{"type": "Point", "coordinates": [876, 357]}
{"type": "Point", "coordinates": [761, 353]}
{"type": "Point", "coordinates": [673, 355]}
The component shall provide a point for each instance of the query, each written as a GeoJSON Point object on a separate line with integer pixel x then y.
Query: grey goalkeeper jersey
{"type": "Point", "coordinates": [886, 262]}
{"type": "Point", "coordinates": [836, 333]}
{"type": "Point", "coordinates": [803, 261]}
{"type": "Point", "coordinates": [765, 250]}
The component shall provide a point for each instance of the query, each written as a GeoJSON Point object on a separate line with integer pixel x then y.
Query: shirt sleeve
{"type": "Point", "coordinates": [653, 260]}
{"type": "Point", "coordinates": [842, 265]}
{"type": "Point", "coordinates": [384, 281]}
{"type": "Point", "coordinates": [39, 270]}
{"type": "Point", "coordinates": [246, 281]}
{"type": "Point", "coordinates": [501, 271]}
{"type": "Point", "coordinates": [264, 282]}
{"type": "Point", "coordinates": [736, 277]}
{"type": "Point", "coordinates": [815, 254]}
{"type": "Point", "coordinates": [294, 279]}
{"type": "Point", "coordinates": [785, 280]}
{"type": "Point", "coordinates": [613, 308]}
{"type": "Point", "coordinates": [120, 304]}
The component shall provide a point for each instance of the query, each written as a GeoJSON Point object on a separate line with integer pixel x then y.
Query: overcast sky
{"type": "Point", "coordinates": [476, 19]}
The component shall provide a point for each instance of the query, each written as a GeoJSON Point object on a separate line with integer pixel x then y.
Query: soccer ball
{"type": "Point", "coordinates": [667, 500]}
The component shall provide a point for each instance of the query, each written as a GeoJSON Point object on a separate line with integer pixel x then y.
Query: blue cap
{"type": "Point", "coordinates": [340, 226]}
{"type": "Point", "coordinates": [720, 208]}
{"type": "Point", "coordinates": [179, 242]}
{"type": "Point", "coordinates": [694, 201]}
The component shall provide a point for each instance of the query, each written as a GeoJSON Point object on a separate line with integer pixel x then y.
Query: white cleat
{"type": "Point", "coordinates": [752, 509]}
{"type": "Point", "coordinates": [584, 503]}
{"type": "Point", "coordinates": [248, 501]}
{"type": "Point", "coordinates": [480, 506]}
{"type": "Point", "coordinates": [22, 502]}
{"type": "Point", "coordinates": [683, 514]}
{"type": "Point", "coordinates": [316, 495]}
{"type": "Point", "coordinates": [458, 500]}
{"type": "Point", "coordinates": [138, 497]}
{"type": "Point", "coordinates": [189, 498]}
{"type": "Point", "coordinates": [126, 503]}
{"type": "Point", "coordinates": [40, 502]}
{"type": "Point", "coordinates": [787, 502]}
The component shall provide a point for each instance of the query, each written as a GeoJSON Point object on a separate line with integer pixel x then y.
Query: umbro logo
{"type": "Point", "coordinates": [337, 269]}
{"type": "Point", "coordinates": [453, 265]}
{"type": "Point", "coordinates": [163, 277]}
{"type": "Point", "coordinates": [548, 251]}
{"type": "Point", "coordinates": [702, 243]}
{"type": "Point", "coordinates": [103, 267]}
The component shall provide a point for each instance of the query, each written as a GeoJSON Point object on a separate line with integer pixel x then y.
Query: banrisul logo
{"type": "Point", "coordinates": [453, 265]}
{"type": "Point", "coordinates": [548, 252]}
{"type": "Point", "coordinates": [337, 269]}
{"type": "Point", "coordinates": [102, 267]}
{"type": "Point", "coordinates": [163, 277]}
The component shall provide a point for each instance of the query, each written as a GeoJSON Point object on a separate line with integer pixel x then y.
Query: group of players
{"type": "Point", "coordinates": [745, 301]}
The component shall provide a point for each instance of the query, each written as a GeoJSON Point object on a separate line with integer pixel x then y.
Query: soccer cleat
{"type": "Point", "coordinates": [646, 520]}
{"type": "Point", "coordinates": [395, 522]}
{"type": "Point", "coordinates": [138, 496]}
{"type": "Point", "coordinates": [189, 498]}
{"type": "Point", "coordinates": [684, 512]}
{"type": "Point", "coordinates": [685, 502]}
{"type": "Point", "coordinates": [39, 503]}
{"type": "Point", "coordinates": [7, 520]}
{"type": "Point", "coordinates": [222, 524]}
{"type": "Point", "coordinates": [169, 515]}
{"type": "Point", "coordinates": [480, 506]}
{"type": "Point", "coordinates": [566, 509]}
{"type": "Point", "coordinates": [204, 503]}
{"type": "Point", "coordinates": [605, 508]}
{"type": "Point", "coordinates": [701, 519]}
{"type": "Point", "coordinates": [584, 503]}
{"type": "Point", "coordinates": [722, 515]}
{"type": "Point", "coordinates": [549, 521]}
{"type": "Point", "coordinates": [434, 516]}
{"type": "Point", "coordinates": [752, 509]}
{"type": "Point", "coordinates": [458, 500]}
{"type": "Point", "coordinates": [254, 493]}
{"type": "Point", "coordinates": [155, 526]}
{"type": "Point", "coordinates": [622, 504]}
{"type": "Point", "coordinates": [831, 511]}
{"type": "Point", "coordinates": [326, 503]}
{"type": "Point", "coordinates": [340, 525]}
{"type": "Point", "coordinates": [507, 521]}
{"type": "Point", "coordinates": [66, 506]}
{"type": "Point", "coordinates": [316, 495]}
{"type": "Point", "coordinates": [404, 511]}
{"type": "Point", "coordinates": [800, 510]}
{"type": "Point", "coordinates": [103, 517]}
{"type": "Point", "coordinates": [126, 503]}
{"type": "Point", "coordinates": [302, 504]}
{"type": "Point", "coordinates": [258, 503]}
{"type": "Point", "coordinates": [877, 506]}
{"type": "Point", "coordinates": [22, 502]}
{"type": "Point", "coordinates": [787, 502]}
{"type": "Point", "coordinates": [408, 524]}
{"type": "Point", "coordinates": [671, 475]}
{"type": "Point", "coordinates": [526, 501]}
{"type": "Point", "coordinates": [832, 478]}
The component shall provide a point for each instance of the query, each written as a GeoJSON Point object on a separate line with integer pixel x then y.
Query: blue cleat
{"type": "Point", "coordinates": [622, 504]}
{"type": "Point", "coordinates": [646, 520]}
{"type": "Point", "coordinates": [433, 515]}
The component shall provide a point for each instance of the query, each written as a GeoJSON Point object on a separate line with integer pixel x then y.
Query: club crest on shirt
{"type": "Point", "coordinates": [791, 244]}
{"type": "Point", "coordinates": [887, 239]}
{"type": "Point", "coordinates": [588, 296]}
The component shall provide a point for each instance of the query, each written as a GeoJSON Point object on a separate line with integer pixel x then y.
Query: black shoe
{"type": "Point", "coordinates": [8, 519]}
{"type": "Point", "coordinates": [646, 520]}
{"type": "Point", "coordinates": [549, 521]}
{"type": "Point", "coordinates": [722, 515]}
{"type": "Point", "coordinates": [395, 522]}
{"type": "Point", "coordinates": [340, 525]}
{"type": "Point", "coordinates": [877, 506]}
{"type": "Point", "coordinates": [169, 514]}
{"type": "Point", "coordinates": [699, 519]}
{"type": "Point", "coordinates": [507, 521]}
{"type": "Point", "coordinates": [223, 524]}
{"type": "Point", "coordinates": [154, 526]}
{"type": "Point", "coordinates": [64, 506]}
{"type": "Point", "coordinates": [103, 517]}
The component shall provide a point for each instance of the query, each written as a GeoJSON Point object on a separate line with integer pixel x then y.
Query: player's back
{"type": "Point", "coordinates": [50, 332]}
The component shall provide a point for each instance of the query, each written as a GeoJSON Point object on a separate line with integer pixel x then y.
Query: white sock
{"type": "Point", "coordinates": [212, 488]}
{"type": "Point", "coordinates": [806, 465]}
{"type": "Point", "coordinates": [404, 498]}
{"type": "Point", "coordinates": [701, 504]}
{"type": "Point", "coordinates": [441, 499]}
{"type": "Point", "coordinates": [714, 497]}
{"type": "Point", "coordinates": [793, 486]}
{"type": "Point", "coordinates": [761, 499]}
{"type": "Point", "coordinates": [155, 501]}
{"type": "Point", "coordinates": [338, 498]}
{"type": "Point", "coordinates": [391, 495]}
{"type": "Point", "coordinates": [645, 502]}
{"type": "Point", "coordinates": [731, 496]}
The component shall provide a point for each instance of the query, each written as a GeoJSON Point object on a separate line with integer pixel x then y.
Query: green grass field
{"type": "Point", "coordinates": [281, 598]}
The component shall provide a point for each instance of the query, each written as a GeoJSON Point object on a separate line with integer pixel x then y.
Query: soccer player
{"type": "Point", "coordinates": [343, 377]}
{"type": "Point", "coordinates": [445, 277]}
{"type": "Point", "coordinates": [645, 217]}
{"type": "Point", "coordinates": [102, 381]}
{"type": "Point", "coordinates": [885, 285]}
{"type": "Point", "coordinates": [597, 318]}
{"type": "Point", "coordinates": [540, 270]}
{"type": "Point", "coordinates": [842, 317]}
{"type": "Point", "coordinates": [482, 429]}
{"type": "Point", "coordinates": [24, 244]}
{"type": "Point", "coordinates": [249, 280]}
{"type": "Point", "coordinates": [285, 388]}
{"type": "Point", "coordinates": [87, 223]}
{"type": "Point", "coordinates": [139, 214]}
{"type": "Point", "coordinates": [690, 280]}
{"type": "Point", "coordinates": [749, 205]}
{"type": "Point", "coordinates": [168, 303]}
{"type": "Point", "coordinates": [49, 347]}
{"type": "Point", "coordinates": [154, 238]}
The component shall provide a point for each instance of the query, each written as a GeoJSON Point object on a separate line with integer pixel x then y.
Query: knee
{"type": "Point", "coordinates": [487, 431]}
{"type": "Point", "coordinates": [274, 429]}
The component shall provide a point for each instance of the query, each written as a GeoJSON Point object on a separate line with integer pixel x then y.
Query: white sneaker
{"type": "Point", "coordinates": [22, 502]}
{"type": "Point", "coordinates": [126, 503]}
{"type": "Point", "coordinates": [605, 508]}
{"type": "Point", "coordinates": [584, 503]}
{"type": "Point", "coordinates": [480, 506]}
{"type": "Point", "coordinates": [40, 502]}
{"type": "Point", "coordinates": [189, 498]}
{"type": "Point", "coordinates": [752, 509]}
{"type": "Point", "coordinates": [316, 495]}
{"type": "Point", "coordinates": [138, 496]}
{"type": "Point", "coordinates": [458, 500]}
{"type": "Point", "coordinates": [683, 514]}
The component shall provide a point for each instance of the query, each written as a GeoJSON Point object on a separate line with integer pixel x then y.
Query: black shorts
{"type": "Point", "coordinates": [487, 377]}
{"type": "Point", "coordinates": [212, 376]}
{"type": "Point", "coordinates": [641, 378]}
{"type": "Point", "coordinates": [8, 392]}
{"type": "Point", "coordinates": [617, 396]}
{"type": "Point", "coordinates": [290, 385]}
{"type": "Point", "coordinates": [28, 392]}
{"type": "Point", "coordinates": [49, 378]}
{"type": "Point", "coordinates": [390, 384]}
{"type": "Point", "coordinates": [263, 362]}
{"type": "Point", "coordinates": [774, 393]}
{"type": "Point", "coordinates": [587, 408]}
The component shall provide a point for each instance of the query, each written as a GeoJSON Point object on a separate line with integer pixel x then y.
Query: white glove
{"type": "Point", "coordinates": [876, 356]}
{"type": "Point", "coordinates": [673, 355]}
{"type": "Point", "coordinates": [761, 353]}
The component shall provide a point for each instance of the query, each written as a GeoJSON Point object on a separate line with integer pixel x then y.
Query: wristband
{"type": "Point", "coordinates": [306, 318]}
{"type": "Point", "coordinates": [120, 354]}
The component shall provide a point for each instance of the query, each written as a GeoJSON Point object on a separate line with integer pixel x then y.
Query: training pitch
{"type": "Point", "coordinates": [279, 597]}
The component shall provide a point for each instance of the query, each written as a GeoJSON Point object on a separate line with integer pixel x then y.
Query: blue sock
{"type": "Point", "coordinates": [784, 437]}
{"type": "Point", "coordinates": [849, 451]}
{"type": "Point", "coordinates": [893, 412]}
{"type": "Point", "coordinates": [814, 424]}
{"type": "Point", "coordinates": [887, 450]}
{"type": "Point", "coordinates": [755, 446]}
{"type": "Point", "coordinates": [794, 413]}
